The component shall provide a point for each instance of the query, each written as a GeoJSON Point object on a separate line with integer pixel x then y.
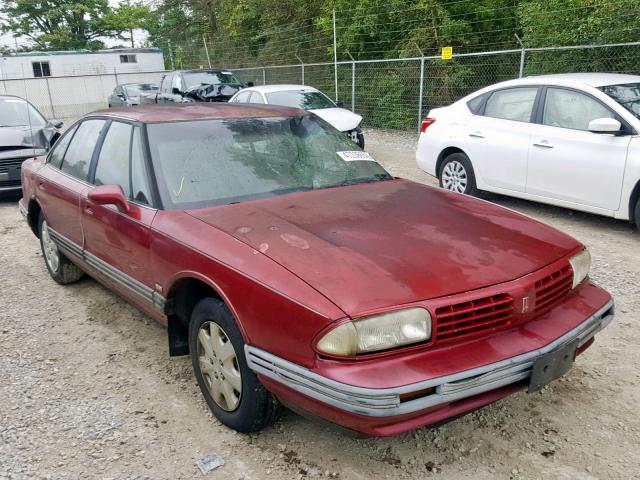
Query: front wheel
{"type": "Point", "coordinates": [456, 174]}
{"type": "Point", "coordinates": [61, 269]}
{"type": "Point", "coordinates": [233, 392]}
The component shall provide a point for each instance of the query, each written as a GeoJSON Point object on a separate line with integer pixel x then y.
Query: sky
{"type": "Point", "coordinates": [139, 36]}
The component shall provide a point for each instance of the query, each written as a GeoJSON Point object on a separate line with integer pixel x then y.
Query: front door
{"type": "Point", "coordinates": [117, 243]}
{"type": "Point", "coordinates": [569, 163]}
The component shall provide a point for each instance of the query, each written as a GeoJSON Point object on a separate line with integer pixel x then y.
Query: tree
{"type": "Point", "coordinates": [69, 24]}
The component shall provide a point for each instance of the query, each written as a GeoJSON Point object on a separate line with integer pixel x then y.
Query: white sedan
{"type": "Point", "coordinates": [307, 98]}
{"type": "Point", "coordinates": [570, 140]}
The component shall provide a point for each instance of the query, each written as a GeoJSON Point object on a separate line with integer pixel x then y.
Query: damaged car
{"type": "Point", "coordinates": [202, 85]}
{"type": "Point", "coordinates": [296, 271]}
{"type": "Point", "coordinates": [24, 133]}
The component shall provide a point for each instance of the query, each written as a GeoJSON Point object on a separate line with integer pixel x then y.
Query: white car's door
{"type": "Point", "coordinates": [498, 138]}
{"type": "Point", "coordinates": [567, 162]}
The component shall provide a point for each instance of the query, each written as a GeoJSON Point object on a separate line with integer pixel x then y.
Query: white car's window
{"type": "Point", "coordinates": [571, 109]}
{"type": "Point", "coordinates": [256, 98]}
{"type": "Point", "coordinates": [242, 97]}
{"type": "Point", "coordinates": [512, 104]}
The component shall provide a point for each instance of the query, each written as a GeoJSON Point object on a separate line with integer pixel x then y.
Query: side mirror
{"type": "Point", "coordinates": [340, 104]}
{"type": "Point", "coordinates": [605, 125]}
{"type": "Point", "coordinates": [176, 91]}
{"type": "Point", "coordinates": [56, 123]}
{"type": "Point", "coordinates": [250, 84]}
{"type": "Point", "coordinates": [109, 195]}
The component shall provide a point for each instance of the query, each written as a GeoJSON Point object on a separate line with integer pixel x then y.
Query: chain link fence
{"type": "Point", "coordinates": [396, 93]}
{"type": "Point", "coordinates": [388, 93]}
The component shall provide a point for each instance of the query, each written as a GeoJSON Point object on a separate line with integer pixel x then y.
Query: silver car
{"type": "Point", "coordinates": [130, 94]}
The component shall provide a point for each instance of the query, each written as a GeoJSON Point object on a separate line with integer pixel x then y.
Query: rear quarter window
{"type": "Point", "coordinates": [475, 104]}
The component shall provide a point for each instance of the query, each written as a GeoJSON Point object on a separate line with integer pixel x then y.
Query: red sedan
{"type": "Point", "coordinates": [295, 270]}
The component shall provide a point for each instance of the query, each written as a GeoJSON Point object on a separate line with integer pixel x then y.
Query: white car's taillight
{"type": "Point", "coordinates": [580, 264]}
{"type": "Point", "coordinates": [426, 123]}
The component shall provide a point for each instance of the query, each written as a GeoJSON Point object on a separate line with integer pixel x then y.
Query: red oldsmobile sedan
{"type": "Point", "coordinates": [295, 270]}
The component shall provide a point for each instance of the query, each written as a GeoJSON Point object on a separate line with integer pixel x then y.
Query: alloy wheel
{"type": "Point", "coordinates": [51, 253]}
{"type": "Point", "coordinates": [219, 366]}
{"type": "Point", "coordinates": [454, 177]}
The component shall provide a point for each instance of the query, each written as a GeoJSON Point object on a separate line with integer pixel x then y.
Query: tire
{"type": "Point", "coordinates": [61, 269]}
{"type": "Point", "coordinates": [636, 215]}
{"type": "Point", "coordinates": [361, 140]}
{"type": "Point", "coordinates": [457, 175]}
{"type": "Point", "coordinates": [214, 337]}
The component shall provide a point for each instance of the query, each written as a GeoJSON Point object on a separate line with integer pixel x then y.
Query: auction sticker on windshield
{"type": "Point", "coordinates": [355, 156]}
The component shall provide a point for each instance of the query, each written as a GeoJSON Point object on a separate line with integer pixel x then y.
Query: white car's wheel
{"type": "Point", "coordinates": [456, 174]}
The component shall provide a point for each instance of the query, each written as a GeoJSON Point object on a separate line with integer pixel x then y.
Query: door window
{"type": "Point", "coordinates": [140, 191]}
{"type": "Point", "coordinates": [570, 109]}
{"type": "Point", "coordinates": [78, 156]}
{"type": "Point", "coordinates": [243, 97]}
{"type": "Point", "coordinates": [55, 157]}
{"type": "Point", "coordinates": [512, 104]}
{"type": "Point", "coordinates": [113, 162]}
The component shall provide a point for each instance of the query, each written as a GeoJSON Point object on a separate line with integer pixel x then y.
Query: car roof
{"type": "Point", "coordinates": [588, 79]}
{"type": "Point", "coordinates": [280, 88]}
{"type": "Point", "coordinates": [13, 96]}
{"type": "Point", "coordinates": [196, 111]}
{"type": "Point", "coordinates": [199, 70]}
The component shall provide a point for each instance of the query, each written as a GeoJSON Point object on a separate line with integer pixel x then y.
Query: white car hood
{"type": "Point", "coordinates": [340, 118]}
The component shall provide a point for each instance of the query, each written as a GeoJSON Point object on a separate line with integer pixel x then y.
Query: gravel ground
{"type": "Point", "coordinates": [88, 390]}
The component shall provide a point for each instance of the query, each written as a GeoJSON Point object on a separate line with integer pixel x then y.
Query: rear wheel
{"type": "Point", "coordinates": [61, 269]}
{"type": "Point", "coordinates": [233, 392]}
{"type": "Point", "coordinates": [456, 174]}
{"type": "Point", "coordinates": [637, 214]}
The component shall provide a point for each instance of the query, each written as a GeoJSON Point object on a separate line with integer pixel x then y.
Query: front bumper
{"type": "Point", "coordinates": [377, 408]}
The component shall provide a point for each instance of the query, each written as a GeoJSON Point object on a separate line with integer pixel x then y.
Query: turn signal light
{"type": "Point", "coordinates": [426, 123]}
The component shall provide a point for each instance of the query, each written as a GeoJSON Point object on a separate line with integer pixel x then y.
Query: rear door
{"type": "Point", "coordinates": [63, 181]}
{"type": "Point", "coordinates": [498, 136]}
{"type": "Point", "coordinates": [567, 162]}
{"type": "Point", "coordinates": [117, 243]}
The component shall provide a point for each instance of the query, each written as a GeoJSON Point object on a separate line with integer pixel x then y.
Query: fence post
{"type": "Point", "coordinates": [264, 76]}
{"type": "Point", "coordinates": [301, 66]}
{"type": "Point", "coordinates": [173, 67]}
{"type": "Point", "coordinates": [353, 82]}
{"type": "Point", "coordinates": [53, 110]}
{"type": "Point", "coordinates": [421, 92]}
{"type": "Point", "coordinates": [206, 49]}
{"type": "Point", "coordinates": [523, 53]}
{"type": "Point", "coordinates": [335, 54]}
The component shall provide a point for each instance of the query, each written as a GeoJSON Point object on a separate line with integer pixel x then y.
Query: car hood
{"type": "Point", "coordinates": [388, 243]}
{"type": "Point", "coordinates": [24, 141]}
{"type": "Point", "coordinates": [340, 118]}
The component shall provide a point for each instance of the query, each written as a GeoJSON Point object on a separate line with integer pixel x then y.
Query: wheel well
{"type": "Point", "coordinates": [34, 215]}
{"type": "Point", "coordinates": [181, 300]}
{"type": "Point", "coordinates": [633, 200]}
{"type": "Point", "coordinates": [444, 154]}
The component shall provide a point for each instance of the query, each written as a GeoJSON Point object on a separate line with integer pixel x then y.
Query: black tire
{"type": "Point", "coordinates": [636, 216]}
{"type": "Point", "coordinates": [458, 173]}
{"type": "Point", "coordinates": [257, 408]}
{"type": "Point", "coordinates": [361, 140]}
{"type": "Point", "coordinates": [63, 270]}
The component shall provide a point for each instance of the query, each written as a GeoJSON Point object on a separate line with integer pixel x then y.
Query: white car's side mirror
{"type": "Point", "coordinates": [605, 125]}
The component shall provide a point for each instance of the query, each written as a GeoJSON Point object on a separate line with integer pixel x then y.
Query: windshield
{"type": "Point", "coordinates": [212, 162]}
{"type": "Point", "coordinates": [300, 99]}
{"type": "Point", "coordinates": [195, 79]}
{"type": "Point", "coordinates": [15, 112]}
{"type": "Point", "coordinates": [627, 95]}
{"type": "Point", "coordinates": [139, 89]}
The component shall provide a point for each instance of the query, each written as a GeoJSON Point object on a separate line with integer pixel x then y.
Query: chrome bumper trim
{"type": "Point", "coordinates": [385, 402]}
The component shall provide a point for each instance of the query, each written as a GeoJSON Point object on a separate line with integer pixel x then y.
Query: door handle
{"type": "Point", "coordinates": [476, 135]}
{"type": "Point", "coordinates": [543, 144]}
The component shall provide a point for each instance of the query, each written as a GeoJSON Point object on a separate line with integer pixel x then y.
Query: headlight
{"type": "Point", "coordinates": [581, 264]}
{"type": "Point", "coordinates": [378, 332]}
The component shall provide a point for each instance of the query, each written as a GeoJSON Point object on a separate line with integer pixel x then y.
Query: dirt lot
{"type": "Point", "coordinates": [87, 389]}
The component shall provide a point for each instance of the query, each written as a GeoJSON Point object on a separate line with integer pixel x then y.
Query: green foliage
{"type": "Point", "coordinates": [69, 24]}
